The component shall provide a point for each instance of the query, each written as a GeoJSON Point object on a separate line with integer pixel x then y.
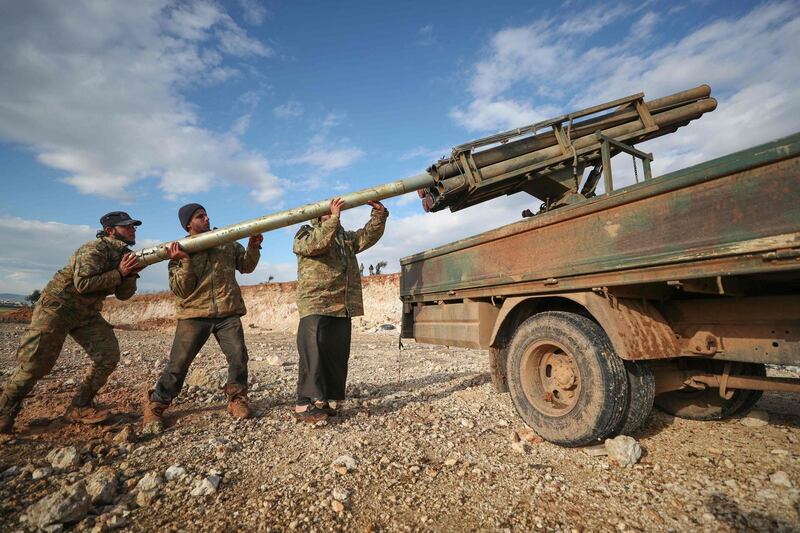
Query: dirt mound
{"type": "Point", "coordinates": [21, 315]}
{"type": "Point", "coordinates": [270, 306]}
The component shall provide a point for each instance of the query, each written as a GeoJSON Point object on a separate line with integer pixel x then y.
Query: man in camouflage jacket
{"type": "Point", "coordinates": [70, 304]}
{"type": "Point", "coordinates": [328, 295]}
{"type": "Point", "coordinates": [209, 302]}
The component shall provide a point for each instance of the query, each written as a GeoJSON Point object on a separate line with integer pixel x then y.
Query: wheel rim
{"type": "Point", "coordinates": [550, 378]}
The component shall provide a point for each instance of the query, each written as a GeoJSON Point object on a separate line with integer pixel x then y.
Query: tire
{"type": "Point", "coordinates": [641, 392]}
{"type": "Point", "coordinates": [565, 380]}
{"type": "Point", "coordinates": [707, 404]}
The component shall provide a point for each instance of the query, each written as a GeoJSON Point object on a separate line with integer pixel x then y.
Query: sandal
{"type": "Point", "coordinates": [327, 409]}
{"type": "Point", "coordinates": [311, 415]}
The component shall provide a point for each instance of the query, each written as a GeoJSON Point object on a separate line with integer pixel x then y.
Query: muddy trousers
{"type": "Point", "coordinates": [39, 350]}
{"type": "Point", "coordinates": [323, 343]}
{"type": "Point", "coordinates": [190, 336]}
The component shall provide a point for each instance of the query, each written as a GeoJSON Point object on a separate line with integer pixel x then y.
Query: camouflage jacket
{"type": "Point", "coordinates": [90, 275]}
{"type": "Point", "coordinates": [328, 277]}
{"type": "Point", "coordinates": [205, 284]}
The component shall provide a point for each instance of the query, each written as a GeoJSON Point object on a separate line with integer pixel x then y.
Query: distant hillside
{"type": "Point", "coordinates": [8, 297]}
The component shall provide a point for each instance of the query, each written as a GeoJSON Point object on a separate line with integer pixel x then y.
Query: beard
{"type": "Point", "coordinates": [120, 237]}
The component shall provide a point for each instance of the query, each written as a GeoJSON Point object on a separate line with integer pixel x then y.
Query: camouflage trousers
{"type": "Point", "coordinates": [41, 346]}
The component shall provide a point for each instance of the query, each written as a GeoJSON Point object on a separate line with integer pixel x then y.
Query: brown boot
{"type": "Point", "coordinates": [153, 414]}
{"type": "Point", "coordinates": [88, 414]}
{"type": "Point", "coordinates": [237, 401]}
{"type": "Point", "coordinates": [8, 413]}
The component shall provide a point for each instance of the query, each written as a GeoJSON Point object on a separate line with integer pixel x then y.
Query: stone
{"type": "Point", "coordinates": [150, 482]}
{"type": "Point", "coordinates": [64, 506]}
{"type": "Point", "coordinates": [208, 380]}
{"type": "Point", "coordinates": [755, 419]}
{"type": "Point", "coordinates": [64, 458]}
{"type": "Point", "coordinates": [127, 435]}
{"type": "Point", "coordinates": [41, 473]}
{"type": "Point", "coordinates": [344, 464]}
{"type": "Point", "coordinates": [206, 486]}
{"type": "Point", "coordinates": [145, 498]}
{"type": "Point", "coordinates": [598, 450]}
{"type": "Point", "coordinates": [623, 451]}
{"type": "Point", "coordinates": [519, 447]}
{"type": "Point", "coordinates": [11, 471]}
{"type": "Point", "coordinates": [174, 472]}
{"type": "Point", "coordinates": [529, 435]}
{"type": "Point", "coordinates": [450, 461]}
{"type": "Point", "coordinates": [340, 494]}
{"type": "Point", "coordinates": [273, 360]}
{"type": "Point", "coordinates": [102, 486]}
{"type": "Point", "coordinates": [388, 327]}
{"type": "Point", "coordinates": [116, 522]}
{"type": "Point", "coordinates": [781, 479]}
{"type": "Point", "coordinates": [337, 506]}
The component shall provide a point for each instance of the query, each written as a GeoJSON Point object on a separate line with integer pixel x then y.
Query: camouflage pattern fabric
{"type": "Point", "coordinates": [70, 305]}
{"type": "Point", "coordinates": [205, 284]}
{"type": "Point", "coordinates": [328, 276]}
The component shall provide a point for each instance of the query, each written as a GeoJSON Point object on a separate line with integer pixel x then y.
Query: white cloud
{"type": "Point", "coordinates": [105, 106]}
{"type": "Point", "coordinates": [289, 109]}
{"type": "Point", "coordinates": [254, 13]}
{"type": "Point", "coordinates": [328, 158]}
{"type": "Point", "coordinates": [483, 115]}
{"type": "Point", "coordinates": [425, 36]}
{"type": "Point", "coordinates": [422, 152]}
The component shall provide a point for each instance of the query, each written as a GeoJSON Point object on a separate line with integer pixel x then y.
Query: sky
{"type": "Point", "coordinates": [250, 107]}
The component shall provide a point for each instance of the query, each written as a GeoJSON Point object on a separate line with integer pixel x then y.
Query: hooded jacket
{"type": "Point", "coordinates": [328, 277]}
{"type": "Point", "coordinates": [205, 284]}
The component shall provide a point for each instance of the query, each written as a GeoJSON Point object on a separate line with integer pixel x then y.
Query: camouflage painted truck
{"type": "Point", "coordinates": [674, 291]}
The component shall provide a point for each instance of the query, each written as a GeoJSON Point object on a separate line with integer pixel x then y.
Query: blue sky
{"type": "Point", "coordinates": [251, 107]}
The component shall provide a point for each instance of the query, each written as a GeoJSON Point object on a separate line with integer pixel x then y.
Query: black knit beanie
{"type": "Point", "coordinates": [185, 214]}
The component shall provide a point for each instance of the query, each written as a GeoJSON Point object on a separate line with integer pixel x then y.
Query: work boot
{"type": "Point", "coordinates": [87, 414]}
{"type": "Point", "coordinates": [154, 415]}
{"type": "Point", "coordinates": [8, 413]}
{"type": "Point", "coordinates": [237, 401]}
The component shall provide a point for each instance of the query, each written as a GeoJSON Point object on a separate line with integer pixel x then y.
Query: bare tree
{"type": "Point", "coordinates": [379, 266]}
{"type": "Point", "coordinates": [270, 278]}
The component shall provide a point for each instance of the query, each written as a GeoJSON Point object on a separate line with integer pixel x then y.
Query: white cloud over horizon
{"type": "Point", "coordinates": [96, 90]}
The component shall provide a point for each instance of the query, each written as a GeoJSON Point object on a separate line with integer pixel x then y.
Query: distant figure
{"type": "Point", "coordinates": [371, 270]}
{"type": "Point", "coordinates": [209, 302]}
{"type": "Point", "coordinates": [70, 304]}
{"type": "Point", "coordinates": [328, 295]}
{"type": "Point", "coordinates": [361, 270]}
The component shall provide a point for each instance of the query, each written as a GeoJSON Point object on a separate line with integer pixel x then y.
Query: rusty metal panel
{"type": "Point", "coordinates": [756, 329]}
{"type": "Point", "coordinates": [466, 324]}
{"type": "Point", "coordinates": [738, 206]}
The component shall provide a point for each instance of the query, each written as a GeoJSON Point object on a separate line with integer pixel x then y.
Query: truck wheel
{"type": "Point", "coordinates": [565, 379]}
{"type": "Point", "coordinates": [641, 392]}
{"type": "Point", "coordinates": [707, 404]}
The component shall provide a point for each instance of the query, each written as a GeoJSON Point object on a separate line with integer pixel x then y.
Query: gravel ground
{"type": "Point", "coordinates": [423, 444]}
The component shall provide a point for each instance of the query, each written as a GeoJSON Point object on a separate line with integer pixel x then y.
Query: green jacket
{"type": "Point", "coordinates": [328, 277]}
{"type": "Point", "coordinates": [90, 275]}
{"type": "Point", "coordinates": [205, 284]}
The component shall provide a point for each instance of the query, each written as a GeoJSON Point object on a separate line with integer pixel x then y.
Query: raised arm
{"type": "Point", "coordinates": [372, 230]}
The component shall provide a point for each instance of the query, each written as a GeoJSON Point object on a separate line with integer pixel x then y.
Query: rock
{"type": "Point", "coordinates": [450, 461]}
{"type": "Point", "coordinates": [150, 482]}
{"type": "Point", "coordinates": [206, 486]}
{"type": "Point", "coordinates": [64, 506]}
{"type": "Point", "coordinates": [519, 447]}
{"type": "Point", "coordinates": [41, 473]}
{"type": "Point", "coordinates": [781, 479]}
{"type": "Point", "coordinates": [340, 494]}
{"type": "Point", "coordinates": [623, 451]}
{"type": "Point", "coordinates": [145, 498]}
{"type": "Point", "coordinates": [388, 327]}
{"type": "Point", "coordinates": [102, 486]}
{"type": "Point", "coordinates": [598, 450]}
{"type": "Point", "coordinates": [779, 451]}
{"type": "Point", "coordinates": [127, 435]}
{"type": "Point", "coordinates": [153, 428]}
{"type": "Point", "coordinates": [469, 424]}
{"type": "Point", "coordinates": [116, 522]}
{"type": "Point", "coordinates": [64, 458]}
{"type": "Point", "coordinates": [273, 360]}
{"type": "Point", "coordinates": [756, 419]}
{"type": "Point", "coordinates": [208, 380]}
{"type": "Point", "coordinates": [337, 506]}
{"type": "Point", "coordinates": [529, 435]}
{"type": "Point", "coordinates": [344, 464]}
{"type": "Point", "coordinates": [174, 472]}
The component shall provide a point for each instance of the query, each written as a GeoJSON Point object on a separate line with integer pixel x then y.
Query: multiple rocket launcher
{"type": "Point", "coordinates": [547, 164]}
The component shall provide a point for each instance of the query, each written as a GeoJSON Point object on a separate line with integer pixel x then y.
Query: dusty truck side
{"type": "Point", "coordinates": [675, 291]}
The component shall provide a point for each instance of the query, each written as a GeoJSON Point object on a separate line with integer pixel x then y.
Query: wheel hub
{"type": "Point", "coordinates": [553, 383]}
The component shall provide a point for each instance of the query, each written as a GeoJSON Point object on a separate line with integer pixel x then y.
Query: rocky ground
{"type": "Point", "coordinates": [423, 444]}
